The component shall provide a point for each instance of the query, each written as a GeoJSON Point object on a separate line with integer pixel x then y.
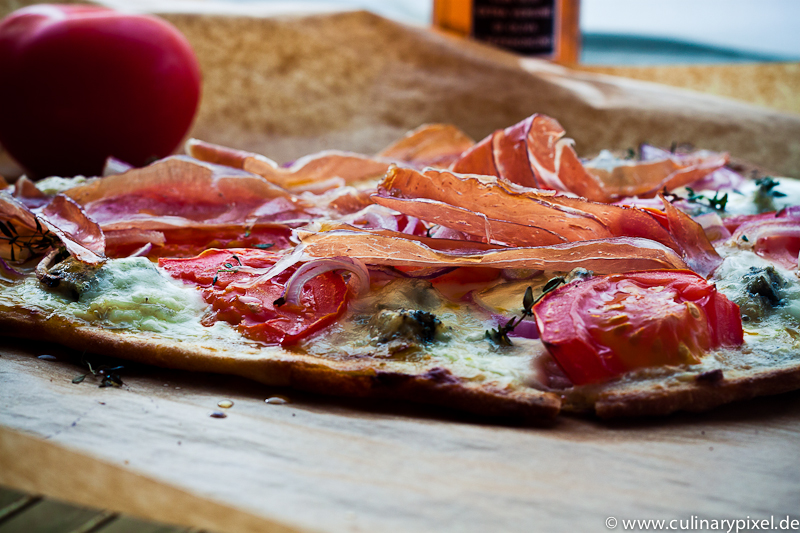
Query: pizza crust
{"type": "Point", "coordinates": [361, 377]}
{"type": "Point", "coordinates": [276, 366]}
{"type": "Point", "coordinates": [696, 396]}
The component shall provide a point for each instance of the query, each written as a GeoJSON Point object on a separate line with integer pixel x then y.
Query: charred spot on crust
{"type": "Point", "coordinates": [437, 375]}
{"type": "Point", "coordinates": [428, 323]}
{"type": "Point", "coordinates": [440, 375]}
{"type": "Point", "coordinates": [765, 288]}
{"type": "Point", "coordinates": [712, 376]}
{"type": "Point", "coordinates": [389, 379]}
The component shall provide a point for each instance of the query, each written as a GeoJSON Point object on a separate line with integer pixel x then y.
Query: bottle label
{"type": "Point", "coordinates": [525, 26]}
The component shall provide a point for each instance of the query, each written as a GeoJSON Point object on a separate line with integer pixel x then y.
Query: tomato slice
{"type": "Point", "coordinates": [600, 328]}
{"type": "Point", "coordinates": [223, 277]}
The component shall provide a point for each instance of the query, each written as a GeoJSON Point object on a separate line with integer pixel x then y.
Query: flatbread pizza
{"type": "Point", "coordinates": [506, 278]}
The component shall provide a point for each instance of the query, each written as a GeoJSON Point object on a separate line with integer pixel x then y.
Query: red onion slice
{"type": "Point", "coordinates": [9, 272]}
{"type": "Point", "coordinates": [143, 251]}
{"type": "Point", "coordinates": [358, 284]}
{"type": "Point", "coordinates": [525, 328]}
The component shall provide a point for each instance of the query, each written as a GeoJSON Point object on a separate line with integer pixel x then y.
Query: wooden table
{"type": "Point", "coordinates": [151, 450]}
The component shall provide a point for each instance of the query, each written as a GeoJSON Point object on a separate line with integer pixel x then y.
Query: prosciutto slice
{"type": "Point", "coordinates": [432, 145]}
{"type": "Point", "coordinates": [627, 178]}
{"type": "Point", "coordinates": [775, 236]}
{"type": "Point", "coordinates": [81, 235]}
{"type": "Point", "coordinates": [183, 191]}
{"type": "Point", "coordinates": [26, 233]}
{"type": "Point", "coordinates": [536, 153]}
{"type": "Point", "coordinates": [503, 213]}
{"type": "Point", "coordinates": [26, 192]}
{"type": "Point", "coordinates": [314, 173]}
{"type": "Point", "coordinates": [722, 178]}
{"type": "Point", "coordinates": [601, 256]}
{"type": "Point", "coordinates": [172, 241]}
{"type": "Point", "coordinates": [698, 252]}
{"type": "Point", "coordinates": [499, 212]}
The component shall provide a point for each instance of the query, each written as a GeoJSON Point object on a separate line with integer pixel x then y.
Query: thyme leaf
{"type": "Point", "coordinates": [500, 336]}
{"type": "Point", "coordinates": [717, 203]}
{"type": "Point", "coordinates": [229, 267]}
{"type": "Point", "coordinates": [36, 244]}
{"type": "Point", "coordinates": [6, 231]}
{"type": "Point", "coordinates": [109, 374]}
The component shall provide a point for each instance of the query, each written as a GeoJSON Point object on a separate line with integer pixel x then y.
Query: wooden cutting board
{"type": "Point", "coordinates": [152, 450]}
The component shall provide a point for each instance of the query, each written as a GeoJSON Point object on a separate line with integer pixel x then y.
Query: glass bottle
{"type": "Point", "coordinates": [543, 28]}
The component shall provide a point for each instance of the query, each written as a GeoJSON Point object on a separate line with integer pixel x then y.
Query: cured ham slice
{"type": "Point", "coordinates": [536, 153]}
{"type": "Point", "coordinates": [531, 153]}
{"type": "Point", "coordinates": [502, 213]}
{"type": "Point", "coordinates": [511, 215]}
{"type": "Point", "coordinates": [432, 145]}
{"type": "Point", "coordinates": [601, 256]}
{"type": "Point", "coordinates": [26, 192]}
{"type": "Point", "coordinates": [184, 191]}
{"type": "Point", "coordinates": [169, 241]}
{"type": "Point", "coordinates": [775, 236]}
{"type": "Point", "coordinates": [722, 178]}
{"type": "Point", "coordinates": [82, 236]}
{"type": "Point", "coordinates": [378, 217]}
{"type": "Point", "coordinates": [698, 252]}
{"type": "Point", "coordinates": [315, 173]}
{"type": "Point", "coordinates": [628, 178]}
{"type": "Point", "coordinates": [26, 233]}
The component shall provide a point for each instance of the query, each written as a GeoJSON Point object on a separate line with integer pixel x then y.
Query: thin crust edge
{"type": "Point", "coordinates": [275, 366]}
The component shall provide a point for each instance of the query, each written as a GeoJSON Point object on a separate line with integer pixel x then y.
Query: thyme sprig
{"type": "Point", "coordinates": [499, 336]}
{"type": "Point", "coordinates": [36, 244]}
{"type": "Point", "coordinates": [109, 374]}
{"type": "Point", "coordinates": [718, 203]}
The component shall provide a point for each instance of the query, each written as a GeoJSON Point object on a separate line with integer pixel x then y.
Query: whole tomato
{"type": "Point", "coordinates": [82, 83]}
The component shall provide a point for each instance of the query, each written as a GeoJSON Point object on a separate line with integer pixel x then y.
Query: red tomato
{"type": "Point", "coordinates": [82, 83]}
{"type": "Point", "coordinates": [603, 327]}
{"type": "Point", "coordinates": [251, 309]}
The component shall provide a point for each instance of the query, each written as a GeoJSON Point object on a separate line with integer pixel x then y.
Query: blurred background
{"type": "Point", "coordinates": [650, 32]}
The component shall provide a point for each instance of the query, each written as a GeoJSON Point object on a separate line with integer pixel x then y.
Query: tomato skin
{"type": "Point", "coordinates": [598, 329]}
{"type": "Point", "coordinates": [87, 83]}
{"type": "Point", "coordinates": [250, 308]}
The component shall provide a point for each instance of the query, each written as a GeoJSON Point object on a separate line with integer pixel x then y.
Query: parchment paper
{"type": "Point", "coordinates": [287, 85]}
